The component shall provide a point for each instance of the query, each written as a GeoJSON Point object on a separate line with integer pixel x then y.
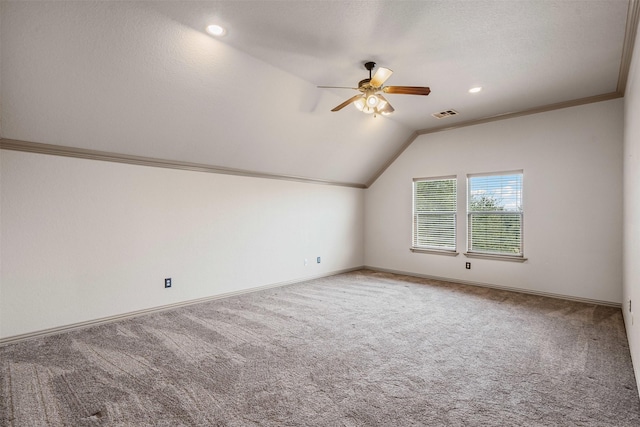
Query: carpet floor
{"type": "Point", "coordinates": [356, 349]}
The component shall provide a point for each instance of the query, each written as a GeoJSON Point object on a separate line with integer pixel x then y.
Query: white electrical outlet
{"type": "Point", "coordinates": [306, 261]}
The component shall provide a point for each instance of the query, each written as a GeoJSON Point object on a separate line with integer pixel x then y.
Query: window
{"type": "Point", "coordinates": [434, 214]}
{"type": "Point", "coordinates": [495, 214]}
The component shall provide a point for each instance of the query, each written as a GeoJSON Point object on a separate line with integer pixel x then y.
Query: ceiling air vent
{"type": "Point", "coordinates": [446, 113]}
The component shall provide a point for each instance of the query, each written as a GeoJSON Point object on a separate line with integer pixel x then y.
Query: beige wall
{"type": "Point", "coordinates": [631, 286]}
{"type": "Point", "coordinates": [572, 162]}
{"type": "Point", "coordinates": [84, 239]}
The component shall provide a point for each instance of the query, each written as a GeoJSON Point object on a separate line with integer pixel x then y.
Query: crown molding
{"type": "Point", "coordinates": [633, 18]}
{"type": "Point", "coordinates": [527, 112]}
{"type": "Point", "coordinates": [504, 116]}
{"type": "Point", "coordinates": [631, 28]}
{"type": "Point", "coordinates": [83, 153]}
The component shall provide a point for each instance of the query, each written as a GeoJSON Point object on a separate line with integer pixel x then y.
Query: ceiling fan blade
{"type": "Point", "coordinates": [407, 90]}
{"type": "Point", "coordinates": [347, 102]}
{"type": "Point", "coordinates": [380, 77]}
{"type": "Point", "coordinates": [336, 87]}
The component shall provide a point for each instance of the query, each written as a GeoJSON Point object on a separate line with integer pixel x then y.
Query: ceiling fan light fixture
{"type": "Point", "coordinates": [372, 100]}
{"type": "Point", "coordinates": [216, 30]}
{"type": "Point", "coordinates": [368, 110]}
{"type": "Point", "coordinates": [385, 109]}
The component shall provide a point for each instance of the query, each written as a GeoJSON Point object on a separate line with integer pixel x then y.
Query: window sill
{"type": "Point", "coordinates": [495, 257]}
{"type": "Point", "coordinates": [434, 251]}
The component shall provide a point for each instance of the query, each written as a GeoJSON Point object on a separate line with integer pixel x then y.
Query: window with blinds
{"type": "Point", "coordinates": [495, 214]}
{"type": "Point", "coordinates": [434, 214]}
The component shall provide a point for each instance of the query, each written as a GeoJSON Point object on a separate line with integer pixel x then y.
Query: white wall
{"type": "Point", "coordinates": [572, 162]}
{"type": "Point", "coordinates": [84, 239]}
{"type": "Point", "coordinates": [631, 275]}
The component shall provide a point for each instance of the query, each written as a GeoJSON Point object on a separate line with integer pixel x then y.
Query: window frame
{"type": "Point", "coordinates": [519, 257]}
{"type": "Point", "coordinates": [414, 237]}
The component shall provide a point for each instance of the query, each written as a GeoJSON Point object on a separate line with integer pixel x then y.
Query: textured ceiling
{"type": "Point", "coordinates": [524, 53]}
{"type": "Point", "coordinates": [144, 79]}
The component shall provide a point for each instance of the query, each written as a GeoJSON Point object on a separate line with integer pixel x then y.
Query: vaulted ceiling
{"type": "Point", "coordinates": [144, 78]}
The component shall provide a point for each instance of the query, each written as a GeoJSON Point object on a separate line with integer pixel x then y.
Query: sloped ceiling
{"type": "Point", "coordinates": [144, 79]}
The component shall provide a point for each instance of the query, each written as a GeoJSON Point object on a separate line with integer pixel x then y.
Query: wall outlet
{"type": "Point", "coordinates": [167, 282]}
{"type": "Point", "coordinates": [306, 261]}
{"type": "Point", "coordinates": [318, 260]}
{"type": "Point", "coordinates": [467, 265]}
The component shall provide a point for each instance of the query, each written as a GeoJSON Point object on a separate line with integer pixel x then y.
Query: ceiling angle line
{"type": "Point", "coordinates": [389, 162]}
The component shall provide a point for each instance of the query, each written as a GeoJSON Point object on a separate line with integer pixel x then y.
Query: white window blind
{"type": "Point", "coordinates": [495, 214]}
{"type": "Point", "coordinates": [434, 213]}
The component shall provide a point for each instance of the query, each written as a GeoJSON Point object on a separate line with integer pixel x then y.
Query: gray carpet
{"type": "Point", "coordinates": [358, 349]}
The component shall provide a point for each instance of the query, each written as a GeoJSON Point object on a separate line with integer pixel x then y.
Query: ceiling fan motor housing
{"type": "Point", "coordinates": [363, 85]}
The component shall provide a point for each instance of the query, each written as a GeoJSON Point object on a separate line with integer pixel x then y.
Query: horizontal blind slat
{"type": "Point", "coordinates": [495, 213]}
{"type": "Point", "coordinates": [434, 206]}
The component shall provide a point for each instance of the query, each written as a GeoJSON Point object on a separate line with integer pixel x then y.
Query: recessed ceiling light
{"type": "Point", "coordinates": [475, 89]}
{"type": "Point", "coordinates": [216, 30]}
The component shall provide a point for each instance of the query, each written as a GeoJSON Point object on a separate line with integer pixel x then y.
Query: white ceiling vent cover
{"type": "Point", "coordinates": [443, 114]}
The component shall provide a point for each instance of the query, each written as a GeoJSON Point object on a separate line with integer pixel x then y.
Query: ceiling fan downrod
{"type": "Point", "coordinates": [369, 66]}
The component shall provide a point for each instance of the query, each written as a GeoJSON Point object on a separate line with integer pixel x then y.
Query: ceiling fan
{"type": "Point", "coordinates": [371, 101]}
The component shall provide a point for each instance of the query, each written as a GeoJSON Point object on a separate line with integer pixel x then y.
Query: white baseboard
{"type": "Point", "coordinates": [499, 287]}
{"type": "Point", "coordinates": [109, 319]}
